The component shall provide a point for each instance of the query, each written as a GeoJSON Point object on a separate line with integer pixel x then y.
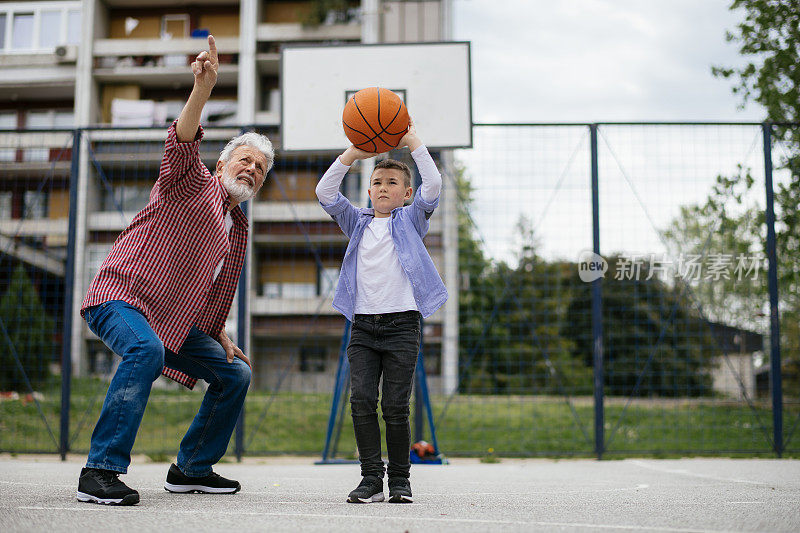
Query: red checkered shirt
{"type": "Point", "coordinates": [163, 263]}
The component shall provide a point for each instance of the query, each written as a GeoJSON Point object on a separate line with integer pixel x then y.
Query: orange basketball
{"type": "Point", "coordinates": [375, 119]}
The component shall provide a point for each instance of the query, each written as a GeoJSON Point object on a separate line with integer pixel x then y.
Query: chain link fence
{"type": "Point", "coordinates": [616, 293]}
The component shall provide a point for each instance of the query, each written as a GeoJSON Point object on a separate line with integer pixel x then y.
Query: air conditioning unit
{"type": "Point", "coordinates": [66, 53]}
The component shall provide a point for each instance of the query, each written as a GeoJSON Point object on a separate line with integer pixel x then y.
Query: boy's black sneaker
{"type": "Point", "coordinates": [370, 490]}
{"type": "Point", "coordinates": [104, 486]}
{"type": "Point", "coordinates": [213, 483]}
{"type": "Point", "coordinates": [399, 490]}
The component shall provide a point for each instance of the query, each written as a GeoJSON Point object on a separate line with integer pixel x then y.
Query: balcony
{"type": "Point", "coordinates": [34, 227]}
{"type": "Point", "coordinates": [32, 256]}
{"type": "Point", "coordinates": [155, 135]}
{"type": "Point", "coordinates": [316, 305]}
{"type": "Point", "coordinates": [268, 118]}
{"type": "Point", "coordinates": [114, 57]}
{"type": "Point", "coordinates": [289, 212]}
{"type": "Point", "coordinates": [289, 32]}
{"type": "Point", "coordinates": [36, 76]}
{"type": "Point", "coordinates": [268, 63]}
{"type": "Point", "coordinates": [157, 47]}
{"type": "Point", "coordinates": [106, 221]}
{"type": "Point", "coordinates": [159, 76]}
{"type": "Point", "coordinates": [44, 153]}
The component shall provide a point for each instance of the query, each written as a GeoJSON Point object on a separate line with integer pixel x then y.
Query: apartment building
{"type": "Point", "coordinates": [119, 69]}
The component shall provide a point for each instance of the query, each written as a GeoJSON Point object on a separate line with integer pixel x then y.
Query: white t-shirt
{"type": "Point", "coordinates": [228, 226]}
{"type": "Point", "coordinates": [382, 285]}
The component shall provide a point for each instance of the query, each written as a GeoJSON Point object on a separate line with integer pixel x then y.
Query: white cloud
{"type": "Point", "coordinates": [595, 60]}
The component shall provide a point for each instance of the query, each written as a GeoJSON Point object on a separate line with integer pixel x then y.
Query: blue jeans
{"type": "Point", "coordinates": [124, 329]}
{"type": "Point", "coordinates": [385, 346]}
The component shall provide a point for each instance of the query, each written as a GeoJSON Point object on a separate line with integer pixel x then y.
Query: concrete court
{"type": "Point", "coordinates": [37, 493]}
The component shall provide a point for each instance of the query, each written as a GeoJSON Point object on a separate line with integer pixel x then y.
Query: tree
{"type": "Point", "coordinates": [510, 315]}
{"type": "Point", "coordinates": [730, 224]}
{"type": "Point", "coordinates": [524, 351]}
{"type": "Point", "coordinates": [769, 37]}
{"type": "Point", "coordinates": [650, 329]}
{"type": "Point", "coordinates": [477, 290]}
{"type": "Point", "coordinates": [525, 324]}
{"type": "Point", "coordinates": [31, 332]}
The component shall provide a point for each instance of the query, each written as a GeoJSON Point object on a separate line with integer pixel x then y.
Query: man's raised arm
{"type": "Point", "coordinates": [181, 148]}
{"type": "Point", "coordinates": [204, 69]}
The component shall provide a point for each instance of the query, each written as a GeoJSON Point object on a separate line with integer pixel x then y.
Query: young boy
{"type": "Point", "coordinates": [387, 281]}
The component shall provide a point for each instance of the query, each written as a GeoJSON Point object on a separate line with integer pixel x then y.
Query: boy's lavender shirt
{"type": "Point", "coordinates": [408, 225]}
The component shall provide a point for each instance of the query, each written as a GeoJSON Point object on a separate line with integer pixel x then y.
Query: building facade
{"type": "Point", "coordinates": [118, 69]}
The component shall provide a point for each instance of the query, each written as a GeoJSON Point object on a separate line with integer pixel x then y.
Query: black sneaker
{"type": "Point", "coordinates": [213, 483]}
{"type": "Point", "coordinates": [104, 486]}
{"type": "Point", "coordinates": [399, 490]}
{"type": "Point", "coordinates": [368, 491]}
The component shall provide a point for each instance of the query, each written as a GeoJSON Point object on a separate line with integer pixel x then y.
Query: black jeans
{"type": "Point", "coordinates": [385, 344]}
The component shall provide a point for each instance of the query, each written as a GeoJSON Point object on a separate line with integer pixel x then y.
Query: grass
{"type": "Point", "coordinates": [296, 423]}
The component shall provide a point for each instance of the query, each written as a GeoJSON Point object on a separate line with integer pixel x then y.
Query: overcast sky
{"type": "Point", "coordinates": [596, 61]}
{"type": "Point", "coordinates": [599, 60]}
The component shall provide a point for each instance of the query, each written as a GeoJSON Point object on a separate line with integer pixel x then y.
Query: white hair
{"type": "Point", "coordinates": [256, 140]}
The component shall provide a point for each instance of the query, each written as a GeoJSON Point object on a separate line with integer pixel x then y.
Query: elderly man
{"type": "Point", "coordinates": [161, 297]}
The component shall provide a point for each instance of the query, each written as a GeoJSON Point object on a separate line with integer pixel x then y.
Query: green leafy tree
{"type": "Point", "coordinates": [644, 319]}
{"type": "Point", "coordinates": [538, 293]}
{"type": "Point", "coordinates": [769, 38]}
{"type": "Point", "coordinates": [478, 285]}
{"type": "Point", "coordinates": [510, 316]}
{"type": "Point", "coordinates": [31, 332]}
{"type": "Point", "coordinates": [730, 223]}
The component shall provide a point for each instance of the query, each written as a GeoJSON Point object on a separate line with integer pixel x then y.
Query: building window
{"type": "Point", "coordinates": [6, 198]}
{"type": "Point", "coordinates": [328, 278]}
{"type": "Point", "coordinates": [22, 31]}
{"type": "Point", "coordinates": [35, 205]}
{"type": "Point", "coordinates": [49, 28]}
{"type": "Point", "coordinates": [39, 26]}
{"type": "Point", "coordinates": [3, 18]}
{"type": "Point", "coordinates": [73, 26]}
{"type": "Point", "coordinates": [95, 255]}
{"type": "Point", "coordinates": [44, 120]}
{"type": "Point", "coordinates": [126, 197]}
{"type": "Point", "coordinates": [175, 27]}
{"type": "Point", "coordinates": [8, 121]}
{"type": "Point", "coordinates": [312, 359]}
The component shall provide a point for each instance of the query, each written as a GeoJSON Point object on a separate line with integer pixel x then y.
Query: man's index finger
{"type": "Point", "coordinates": [212, 49]}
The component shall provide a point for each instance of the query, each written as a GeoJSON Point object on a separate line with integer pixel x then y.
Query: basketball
{"type": "Point", "coordinates": [375, 119]}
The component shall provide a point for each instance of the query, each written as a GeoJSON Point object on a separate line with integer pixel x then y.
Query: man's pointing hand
{"type": "Point", "coordinates": [205, 66]}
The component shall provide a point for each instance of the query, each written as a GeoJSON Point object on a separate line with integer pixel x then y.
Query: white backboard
{"type": "Point", "coordinates": [432, 78]}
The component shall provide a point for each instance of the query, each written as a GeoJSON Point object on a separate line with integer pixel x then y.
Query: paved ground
{"type": "Point", "coordinates": [38, 494]}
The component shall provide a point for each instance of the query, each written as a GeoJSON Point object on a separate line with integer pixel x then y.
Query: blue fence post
{"type": "Point", "coordinates": [241, 330]}
{"type": "Point", "coordinates": [339, 386]}
{"type": "Point", "coordinates": [597, 309]}
{"type": "Point", "coordinates": [774, 317]}
{"type": "Point", "coordinates": [419, 424]}
{"type": "Point", "coordinates": [419, 405]}
{"type": "Point", "coordinates": [69, 274]}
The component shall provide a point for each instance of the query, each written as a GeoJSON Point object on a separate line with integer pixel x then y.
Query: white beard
{"type": "Point", "coordinates": [238, 192]}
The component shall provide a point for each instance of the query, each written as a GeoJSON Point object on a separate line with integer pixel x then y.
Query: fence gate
{"type": "Point", "coordinates": [34, 221]}
{"type": "Point", "coordinates": [622, 289]}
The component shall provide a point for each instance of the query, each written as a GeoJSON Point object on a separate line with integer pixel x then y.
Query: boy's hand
{"type": "Point", "coordinates": [352, 154]}
{"type": "Point", "coordinates": [205, 67]}
{"type": "Point", "coordinates": [410, 139]}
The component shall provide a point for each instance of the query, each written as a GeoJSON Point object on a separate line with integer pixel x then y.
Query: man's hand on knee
{"type": "Point", "coordinates": [231, 350]}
